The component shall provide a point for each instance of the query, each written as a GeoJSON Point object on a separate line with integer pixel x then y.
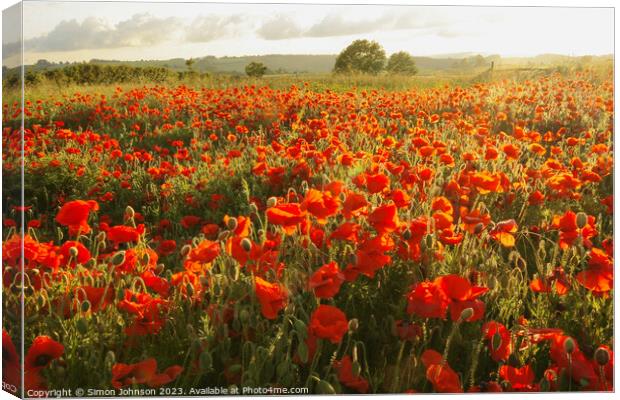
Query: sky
{"type": "Point", "coordinates": [80, 31]}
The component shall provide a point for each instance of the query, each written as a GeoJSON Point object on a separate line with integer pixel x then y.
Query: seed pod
{"type": "Point", "coordinates": [246, 244]}
{"type": "Point", "coordinates": [185, 250]}
{"type": "Point", "coordinates": [110, 358]}
{"type": "Point", "coordinates": [601, 355]}
{"type": "Point", "coordinates": [223, 235]}
{"type": "Point", "coordinates": [324, 387]}
{"type": "Point", "coordinates": [569, 345]}
{"type": "Point", "coordinates": [428, 241]}
{"type": "Point", "coordinates": [582, 219]}
{"type": "Point", "coordinates": [466, 314]}
{"type": "Point", "coordinates": [118, 258]}
{"type": "Point", "coordinates": [244, 316]}
{"type": "Point", "coordinates": [73, 251]}
{"type": "Point", "coordinates": [407, 234]}
{"type": "Point", "coordinates": [353, 324]}
{"type": "Point", "coordinates": [272, 201]}
{"type": "Point", "coordinates": [253, 208]}
{"type": "Point", "coordinates": [85, 306]}
{"type": "Point", "coordinates": [130, 212]}
{"type": "Point", "coordinates": [232, 223]}
{"type": "Point", "coordinates": [82, 326]}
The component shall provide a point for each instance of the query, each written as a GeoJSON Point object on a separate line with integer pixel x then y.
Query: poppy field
{"type": "Point", "coordinates": [444, 239]}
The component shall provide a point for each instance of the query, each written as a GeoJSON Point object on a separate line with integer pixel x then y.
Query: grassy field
{"type": "Point", "coordinates": [343, 234]}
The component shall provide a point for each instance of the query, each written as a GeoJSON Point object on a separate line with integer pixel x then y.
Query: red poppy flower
{"type": "Point", "coordinates": [166, 247]}
{"type": "Point", "coordinates": [288, 216]}
{"type": "Point", "coordinates": [499, 340]}
{"type": "Point", "coordinates": [376, 183]}
{"type": "Point", "coordinates": [439, 373]}
{"type": "Point", "coordinates": [570, 232]}
{"type": "Point", "coordinates": [427, 300]}
{"type": "Point", "coordinates": [143, 372]}
{"type": "Point", "coordinates": [124, 234]}
{"type": "Point", "coordinates": [521, 379]}
{"type": "Point", "coordinates": [329, 322]}
{"type": "Point", "coordinates": [147, 310]}
{"type": "Point", "coordinates": [326, 280]}
{"type": "Point", "coordinates": [348, 378]}
{"type": "Point", "coordinates": [462, 295]}
{"type": "Point", "coordinates": [10, 362]}
{"type": "Point", "coordinates": [503, 232]}
{"type": "Point", "coordinates": [200, 257]}
{"type": "Point", "coordinates": [42, 352]}
{"type": "Point", "coordinates": [354, 205]}
{"type": "Point", "coordinates": [384, 219]}
{"type": "Point", "coordinates": [321, 205]}
{"type": "Point", "coordinates": [83, 255]}
{"type": "Point", "coordinates": [74, 215]}
{"type": "Point", "coordinates": [272, 297]}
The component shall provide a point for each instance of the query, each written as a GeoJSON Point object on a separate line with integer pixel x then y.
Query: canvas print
{"type": "Point", "coordinates": [207, 199]}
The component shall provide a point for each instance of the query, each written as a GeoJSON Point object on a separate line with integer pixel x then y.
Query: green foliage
{"type": "Point", "coordinates": [255, 69]}
{"type": "Point", "coordinates": [362, 56]}
{"type": "Point", "coordinates": [401, 63]}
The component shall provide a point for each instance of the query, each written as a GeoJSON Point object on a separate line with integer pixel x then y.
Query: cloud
{"type": "Point", "coordinates": [208, 28]}
{"type": "Point", "coordinates": [279, 27]}
{"type": "Point", "coordinates": [94, 33]}
{"type": "Point", "coordinates": [336, 25]}
{"type": "Point", "coordinates": [284, 27]}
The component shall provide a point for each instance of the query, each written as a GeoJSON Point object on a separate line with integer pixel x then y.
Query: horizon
{"type": "Point", "coordinates": [79, 32]}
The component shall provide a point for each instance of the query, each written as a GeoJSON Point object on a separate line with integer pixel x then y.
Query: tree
{"type": "Point", "coordinates": [361, 56]}
{"type": "Point", "coordinates": [255, 69]}
{"type": "Point", "coordinates": [189, 63]}
{"type": "Point", "coordinates": [401, 63]}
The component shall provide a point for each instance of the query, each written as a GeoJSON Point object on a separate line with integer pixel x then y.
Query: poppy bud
{"type": "Point", "coordinates": [466, 314]}
{"type": "Point", "coordinates": [129, 212]}
{"type": "Point", "coordinates": [146, 259]}
{"type": "Point", "coordinates": [118, 258]}
{"type": "Point", "coordinates": [582, 219]}
{"type": "Point", "coordinates": [407, 234]}
{"type": "Point", "coordinates": [73, 251]}
{"type": "Point", "coordinates": [272, 201]}
{"type": "Point", "coordinates": [601, 355]}
{"type": "Point", "coordinates": [520, 263]}
{"type": "Point", "coordinates": [85, 306]}
{"type": "Point", "coordinates": [101, 236]}
{"type": "Point", "coordinates": [232, 223]}
{"type": "Point", "coordinates": [253, 208]}
{"type": "Point", "coordinates": [82, 326]}
{"type": "Point", "coordinates": [244, 316]}
{"type": "Point", "coordinates": [185, 250]}
{"type": "Point", "coordinates": [428, 241]}
{"type": "Point", "coordinates": [324, 387]}
{"type": "Point", "coordinates": [223, 235]}
{"type": "Point", "coordinates": [353, 325]}
{"type": "Point", "coordinates": [159, 268]}
{"type": "Point", "coordinates": [246, 244]}
{"type": "Point", "coordinates": [110, 358]}
{"type": "Point", "coordinates": [569, 345]}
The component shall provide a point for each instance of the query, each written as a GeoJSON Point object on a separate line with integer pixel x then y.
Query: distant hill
{"type": "Point", "coordinates": [300, 63]}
